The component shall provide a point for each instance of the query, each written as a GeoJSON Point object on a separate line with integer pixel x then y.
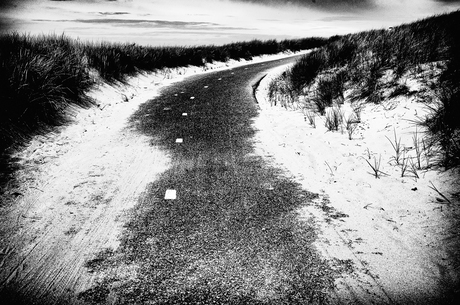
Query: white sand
{"type": "Point", "coordinates": [398, 231]}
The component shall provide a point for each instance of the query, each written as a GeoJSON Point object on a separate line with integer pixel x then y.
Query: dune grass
{"type": "Point", "coordinates": [40, 77]}
{"type": "Point", "coordinates": [43, 76]}
{"type": "Point", "coordinates": [115, 61]}
{"type": "Point", "coordinates": [359, 63]}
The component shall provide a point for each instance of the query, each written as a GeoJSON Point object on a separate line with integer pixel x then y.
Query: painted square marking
{"type": "Point", "coordinates": [171, 195]}
{"type": "Point", "coordinates": [179, 140]}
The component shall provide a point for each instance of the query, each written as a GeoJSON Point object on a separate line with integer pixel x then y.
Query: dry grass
{"type": "Point", "coordinates": [361, 62]}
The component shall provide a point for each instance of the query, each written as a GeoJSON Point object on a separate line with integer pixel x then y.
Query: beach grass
{"type": "Point", "coordinates": [43, 77]}
{"type": "Point", "coordinates": [361, 63]}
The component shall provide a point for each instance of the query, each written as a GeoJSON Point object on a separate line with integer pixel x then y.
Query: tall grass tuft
{"type": "Point", "coordinates": [444, 127]}
{"type": "Point", "coordinates": [444, 123]}
{"type": "Point", "coordinates": [41, 76]}
{"type": "Point", "coordinates": [280, 91]}
{"type": "Point", "coordinates": [329, 89]}
{"type": "Point", "coordinates": [334, 118]}
{"type": "Point", "coordinates": [306, 69]}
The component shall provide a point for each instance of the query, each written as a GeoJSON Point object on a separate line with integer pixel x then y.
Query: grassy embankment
{"type": "Point", "coordinates": [43, 76]}
{"type": "Point", "coordinates": [369, 67]}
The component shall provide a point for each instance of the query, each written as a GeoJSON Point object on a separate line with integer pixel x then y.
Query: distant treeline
{"type": "Point", "coordinates": [41, 76]}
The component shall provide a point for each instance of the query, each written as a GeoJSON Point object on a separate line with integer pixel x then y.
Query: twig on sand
{"type": "Point", "coordinates": [332, 172]}
{"type": "Point", "coordinates": [437, 191]}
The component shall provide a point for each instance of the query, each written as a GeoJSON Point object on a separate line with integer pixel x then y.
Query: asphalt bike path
{"type": "Point", "coordinates": [221, 225]}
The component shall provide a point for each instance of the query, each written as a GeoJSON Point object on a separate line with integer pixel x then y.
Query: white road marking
{"type": "Point", "coordinates": [184, 114]}
{"type": "Point", "coordinates": [192, 97]}
{"type": "Point", "coordinates": [166, 108]}
{"type": "Point", "coordinates": [179, 140]}
{"type": "Point", "coordinates": [206, 87]}
{"type": "Point", "coordinates": [219, 78]}
{"type": "Point", "coordinates": [268, 186]}
{"type": "Point", "coordinates": [171, 195]}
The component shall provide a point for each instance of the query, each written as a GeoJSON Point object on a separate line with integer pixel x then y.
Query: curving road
{"type": "Point", "coordinates": [220, 226]}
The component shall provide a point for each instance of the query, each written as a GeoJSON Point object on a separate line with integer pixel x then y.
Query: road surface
{"type": "Point", "coordinates": [220, 225]}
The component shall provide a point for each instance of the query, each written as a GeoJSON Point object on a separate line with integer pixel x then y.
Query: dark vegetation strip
{"type": "Point", "coordinates": [361, 59]}
{"type": "Point", "coordinates": [43, 76]}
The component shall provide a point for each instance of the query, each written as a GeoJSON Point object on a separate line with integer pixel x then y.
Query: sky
{"type": "Point", "coordinates": [205, 22]}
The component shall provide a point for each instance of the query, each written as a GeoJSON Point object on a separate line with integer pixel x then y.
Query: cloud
{"type": "Point", "coordinates": [448, 1]}
{"type": "Point", "coordinates": [338, 18]}
{"type": "Point", "coordinates": [139, 21]}
{"type": "Point", "coordinates": [147, 23]}
{"type": "Point", "coordinates": [6, 22]}
{"type": "Point", "coordinates": [320, 4]}
{"type": "Point", "coordinates": [5, 25]}
{"type": "Point", "coordinates": [113, 13]}
{"type": "Point", "coordinates": [7, 4]}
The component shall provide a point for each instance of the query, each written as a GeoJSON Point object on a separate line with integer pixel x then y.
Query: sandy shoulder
{"type": "Point", "coordinates": [400, 234]}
